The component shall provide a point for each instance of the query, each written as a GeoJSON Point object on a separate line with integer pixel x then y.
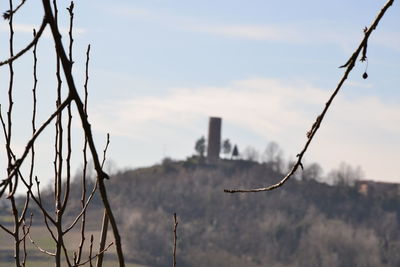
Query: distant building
{"type": "Point", "coordinates": [214, 139]}
{"type": "Point", "coordinates": [366, 187]}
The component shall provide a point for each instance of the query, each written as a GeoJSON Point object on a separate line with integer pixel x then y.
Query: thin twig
{"type": "Point", "coordinates": [85, 163]}
{"type": "Point", "coordinates": [103, 237]}
{"type": "Point", "coordinates": [105, 150]}
{"type": "Point", "coordinates": [12, 187]}
{"type": "Point", "coordinates": [91, 251]}
{"type": "Point", "coordinates": [28, 227]}
{"type": "Point", "coordinates": [349, 66]}
{"type": "Point", "coordinates": [69, 141]}
{"type": "Point", "coordinates": [78, 256]}
{"type": "Point", "coordinates": [97, 255]}
{"type": "Point", "coordinates": [25, 231]}
{"type": "Point", "coordinates": [45, 214]}
{"type": "Point", "coordinates": [11, 12]}
{"type": "Point", "coordinates": [69, 123]}
{"type": "Point", "coordinates": [22, 217]}
{"type": "Point", "coordinates": [104, 224]}
{"type": "Point", "coordinates": [29, 46]}
{"type": "Point", "coordinates": [19, 161]}
{"type": "Point", "coordinates": [101, 175]}
{"type": "Point", "coordinates": [41, 249]}
{"type": "Point", "coordinates": [175, 239]}
{"type": "Point", "coordinates": [58, 157]}
{"type": "Point", "coordinates": [83, 210]}
{"type": "Point", "coordinates": [6, 230]}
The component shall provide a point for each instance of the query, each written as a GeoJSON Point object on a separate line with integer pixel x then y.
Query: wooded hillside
{"type": "Point", "coordinates": [304, 223]}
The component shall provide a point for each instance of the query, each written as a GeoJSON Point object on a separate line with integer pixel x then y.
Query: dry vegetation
{"type": "Point", "coordinates": [305, 223]}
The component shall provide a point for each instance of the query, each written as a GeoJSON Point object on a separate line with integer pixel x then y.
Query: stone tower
{"type": "Point", "coordinates": [214, 139]}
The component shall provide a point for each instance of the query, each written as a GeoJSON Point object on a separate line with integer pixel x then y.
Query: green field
{"type": "Point", "coordinates": [43, 239]}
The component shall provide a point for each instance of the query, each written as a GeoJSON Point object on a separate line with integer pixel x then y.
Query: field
{"type": "Point", "coordinates": [42, 238]}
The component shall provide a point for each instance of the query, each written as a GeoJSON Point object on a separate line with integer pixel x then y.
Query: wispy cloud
{"type": "Point", "coordinates": [22, 28]}
{"type": "Point", "coordinates": [360, 131]}
{"type": "Point", "coordinates": [131, 12]}
{"type": "Point", "coordinates": [251, 32]}
{"type": "Point", "coordinates": [291, 32]}
{"type": "Point", "coordinates": [251, 103]}
{"type": "Point", "coordinates": [28, 29]}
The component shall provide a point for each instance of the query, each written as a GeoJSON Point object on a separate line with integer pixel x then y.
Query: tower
{"type": "Point", "coordinates": [214, 139]}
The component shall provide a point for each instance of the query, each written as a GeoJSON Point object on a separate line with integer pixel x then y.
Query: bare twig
{"type": "Point", "coordinates": [91, 251]}
{"type": "Point", "coordinates": [104, 225]}
{"type": "Point", "coordinates": [71, 25]}
{"type": "Point", "coordinates": [69, 141]}
{"type": "Point", "coordinates": [101, 175]}
{"type": "Point", "coordinates": [349, 66]}
{"type": "Point", "coordinates": [97, 255]}
{"type": "Point", "coordinates": [175, 239]}
{"type": "Point", "coordinates": [25, 231]}
{"type": "Point", "coordinates": [6, 230]}
{"type": "Point", "coordinates": [58, 162]}
{"type": "Point", "coordinates": [105, 150]}
{"type": "Point", "coordinates": [34, 98]}
{"type": "Point", "coordinates": [11, 12]}
{"type": "Point", "coordinates": [82, 211]}
{"type": "Point", "coordinates": [103, 237]}
{"type": "Point", "coordinates": [85, 162]}
{"type": "Point", "coordinates": [39, 248]}
{"type": "Point", "coordinates": [30, 143]}
{"type": "Point", "coordinates": [27, 227]}
{"type": "Point", "coordinates": [14, 164]}
{"type": "Point", "coordinates": [45, 214]}
{"type": "Point", "coordinates": [12, 187]}
{"type": "Point", "coordinates": [29, 46]}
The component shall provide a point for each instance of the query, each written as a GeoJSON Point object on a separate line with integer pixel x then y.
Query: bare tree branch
{"type": "Point", "coordinates": [61, 191]}
{"type": "Point", "coordinates": [11, 12]}
{"type": "Point", "coordinates": [6, 230]}
{"type": "Point", "coordinates": [349, 66]}
{"type": "Point", "coordinates": [97, 255]}
{"type": "Point", "coordinates": [101, 175]}
{"type": "Point", "coordinates": [39, 248]}
{"type": "Point", "coordinates": [30, 143]}
{"type": "Point", "coordinates": [29, 46]}
{"type": "Point", "coordinates": [82, 211]}
{"type": "Point", "coordinates": [104, 224]}
{"type": "Point", "coordinates": [175, 239]}
{"type": "Point", "coordinates": [83, 194]}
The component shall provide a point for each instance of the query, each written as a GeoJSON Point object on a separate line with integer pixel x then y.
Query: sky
{"type": "Point", "coordinates": [159, 69]}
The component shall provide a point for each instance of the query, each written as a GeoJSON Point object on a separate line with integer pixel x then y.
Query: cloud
{"type": "Point", "coordinates": [361, 131]}
{"type": "Point", "coordinates": [131, 12]}
{"type": "Point", "coordinates": [252, 103]}
{"type": "Point", "coordinates": [251, 32]}
{"type": "Point", "coordinates": [28, 29]}
{"type": "Point", "coordinates": [291, 32]}
{"type": "Point", "coordinates": [359, 84]}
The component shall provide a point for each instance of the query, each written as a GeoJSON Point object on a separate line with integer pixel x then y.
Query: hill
{"type": "Point", "coordinates": [304, 223]}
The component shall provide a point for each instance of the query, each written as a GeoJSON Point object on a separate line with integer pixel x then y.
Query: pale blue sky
{"type": "Point", "coordinates": [159, 68]}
